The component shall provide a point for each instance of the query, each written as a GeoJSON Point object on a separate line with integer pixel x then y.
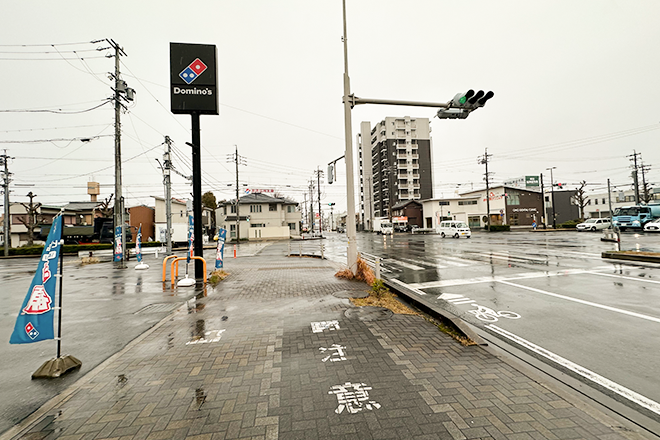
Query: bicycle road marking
{"type": "Point", "coordinates": [581, 301]}
{"type": "Point", "coordinates": [587, 374]}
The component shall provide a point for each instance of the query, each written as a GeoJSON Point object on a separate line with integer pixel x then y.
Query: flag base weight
{"type": "Point", "coordinates": [142, 266]}
{"type": "Point", "coordinates": [186, 282]}
{"type": "Point", "coordinates": [56, 367]}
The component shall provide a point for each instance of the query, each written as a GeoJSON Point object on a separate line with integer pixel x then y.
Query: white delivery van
{"type": "Point", "coordinates": [453, 228]}
{"type": "Point", "coordinates": [386, 228]}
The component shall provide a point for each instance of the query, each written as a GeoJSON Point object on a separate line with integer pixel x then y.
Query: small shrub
{"type": "Point", "coordinates": [363, 273]}
{"type": "Point", "coordinates": [217, 276]}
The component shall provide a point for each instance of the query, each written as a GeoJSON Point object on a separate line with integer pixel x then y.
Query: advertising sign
{"type": "Point", "coordinates": [191, 239]}
{"type": "Point", "coordinates": [35, 320]}
{"type": "Point", "coordinates": [220, 250]}
{"type": "Point", "coordinates": [119, 246]}
{"type": "Point", "coordinates": [532, 181]}
{"type": "Point", "coordinates": [193, 79]}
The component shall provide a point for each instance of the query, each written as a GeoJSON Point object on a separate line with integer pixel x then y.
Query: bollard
{"type": "Point", "coordinates": [156, 253]}
{"type": "Point", "coordinates": [322, 257]}
{"type": "Point", "coordinates": [377, 267]}
{"type": "Point", "coordinates": [300, 250]}
{"type": "Point", "coordinates": [234, 251]}
{"type": "Point", "coordinates": [289, 248]}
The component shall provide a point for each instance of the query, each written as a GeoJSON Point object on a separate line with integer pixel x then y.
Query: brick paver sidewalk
{"type": "Point", "coordinates": [270, 354]}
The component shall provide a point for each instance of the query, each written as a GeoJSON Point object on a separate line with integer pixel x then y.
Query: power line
{"type": "Point", "coordinates": [59, 111]}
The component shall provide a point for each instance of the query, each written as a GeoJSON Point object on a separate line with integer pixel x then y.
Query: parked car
{"type": "Point", "coordinates": [454, 229]}
{"type": "Point", "coordinates": [593, 224]}
{"type": "Point", "coordinates": [653, 225]}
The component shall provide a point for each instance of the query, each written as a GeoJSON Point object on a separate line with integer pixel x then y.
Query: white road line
{"type": "Point", "coordinates": [644, 280]}
{"type": "Point", "coordinates": [587, 374]}
{"type": "Point", "coordinates": [581, 301]}
{"type": "Point", "coordinates": [404, 264]}
{"type": "Point", "coordinates": [417, 291]}
{"type": "Point", "coordinates": [490, 278]}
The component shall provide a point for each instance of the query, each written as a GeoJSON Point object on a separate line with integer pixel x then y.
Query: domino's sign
{"type": "Point", "coordinates": [193, 79]}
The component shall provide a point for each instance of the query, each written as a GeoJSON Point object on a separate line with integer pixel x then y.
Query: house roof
{"type": "Point", "coordinates": [261, 198]}
{"type": "Point", "coordinates": [404, 203]}
{"type": "Point", "coordinates": [81, 206]}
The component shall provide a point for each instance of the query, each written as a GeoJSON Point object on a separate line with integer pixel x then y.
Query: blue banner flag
{"type": "Point", "coordinates": [138, 245]}
{"type": "Point", "coordinates": [119, 246]}
{"type": "Point", "coordinates": [220, 251]}
{"type": "Point", "coordinates": [191, 237]}
{"type": "Point", "coordinates": [35, 320]}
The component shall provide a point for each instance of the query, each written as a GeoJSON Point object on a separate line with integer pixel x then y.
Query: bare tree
{"type": "Point", "coordinates": [30, 221]}
{"type": "Point", "coordinates": [104, 207]}
{"type": "Point", "coordinates": [581, 198]}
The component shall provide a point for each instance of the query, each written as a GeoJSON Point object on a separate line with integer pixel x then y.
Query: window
{"type": "Point", "coordinates": [255, 208]}
{"type": "Point", "coordinates": [513, 198]}
{"type": "Point", "coordinates": [467, 202]}
{"type": "Point", "coordinates": [272, 206]}
{"type": "Point", "coordinates": [233, 209]}
{"type": "Point", "coordinates": [232, 230]}
{"type": "Point", "coordinates": [257, 225]}
{"type": "Point", "coordinates": [292, 226]}
{"type": "Point", "coordinates": [290, 208]}
{"type": "Point", "coordinates": [603, 200]}
{"type": "Point", "coordinates": [595, 201]}
{"type": "Point", "coordinates": [443, 203]}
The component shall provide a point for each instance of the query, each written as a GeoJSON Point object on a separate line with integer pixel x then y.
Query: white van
{"type": "Point", "coordinates": [386, 228]}
{"type": "Point", "coordinates": [453, 228]}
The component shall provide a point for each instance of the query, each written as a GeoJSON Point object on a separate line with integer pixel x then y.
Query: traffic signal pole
{"type": "Point", "coordinates": [458, 108]}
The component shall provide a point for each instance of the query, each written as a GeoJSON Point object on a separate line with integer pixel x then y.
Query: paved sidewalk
{"type": "Point", "coordinates": [270, 354]}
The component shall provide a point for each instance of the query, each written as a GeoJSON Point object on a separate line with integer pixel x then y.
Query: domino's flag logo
{"type": "Point", "coordinates": [193, 70]}
{"type": "Point", "coordinates": [31, 331]}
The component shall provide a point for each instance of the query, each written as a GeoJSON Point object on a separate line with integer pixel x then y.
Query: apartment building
{"type": "Point", "coordinates": [398, 168]}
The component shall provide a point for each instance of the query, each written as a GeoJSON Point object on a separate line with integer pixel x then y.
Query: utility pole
{"type": "Point", "coordinates": [319, 173]}
{"type": "Point", "coordinates": [635, 174]}
{"type": "Point", "coordinates": [543, 214]}
{"type": "Point", "coordinates": [238, 160]}
{"type": "Point", "coordinates": [167, 166]}
{"type": "Point", "coordinates": [645, 188]}
{"type": "Point", "coordinates": [552, 198]}
{"type": "Point", "coordinates": [484, 160]}
{"type": "Point", "coordinates": [311, 204]}
{"type": "Point", "coordinates": [120, 89]}
{"type": "Point", "coordinates": [4, 160]}
{"type": "Point", "coordinates": [304, 208]}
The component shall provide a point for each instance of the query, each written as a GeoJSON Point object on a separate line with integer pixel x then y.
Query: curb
{"type": "Point", "coordinates": [414, 297]}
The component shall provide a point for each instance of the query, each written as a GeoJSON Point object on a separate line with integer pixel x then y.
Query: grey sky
{"type": "Point", "coordinates": [575, 87]}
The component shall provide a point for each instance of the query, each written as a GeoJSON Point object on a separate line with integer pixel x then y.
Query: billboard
{"type": "Point", "coordinates": [531, 181]}
{"type": "Point", "coordinates": [193, 79]}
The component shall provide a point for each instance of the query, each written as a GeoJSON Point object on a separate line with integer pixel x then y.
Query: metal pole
{"type": "Point", "coordinates": [238, 215]}
{"type": "Point", "coordinates": [377, 265]}
{"type": "Point", "coordinates": [318, 187]}
{"type": "Point", "coordinates": [7, 222]}
{"type": "Point", "coordinates": [167, 159]}
{"type": "Point", "coordinates": [487, 189]}
{"type": "Point", "coordinates": [544, 215]}
{"type": "Point", "coordinates": [118, 213]}
{"type": "Point", "coordinates": [61, 275]}
{"type": "Point", "coordinates": [351, 254]}
{"type": "Point", "coordinates": [552, 198]}
{"type": "Point", "coordinates": [197, 195]}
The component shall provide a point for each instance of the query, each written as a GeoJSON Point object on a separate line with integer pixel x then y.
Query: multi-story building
{"type": "Point", "coordinates": [398, 168]}
{"type": "Point", "coordinates": [261, 217]}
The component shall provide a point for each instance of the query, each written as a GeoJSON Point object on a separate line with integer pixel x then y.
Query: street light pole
{"type": "Point", "coordinates": [348, 155]}
{"type": "Point", "coordinates": [552, 198]}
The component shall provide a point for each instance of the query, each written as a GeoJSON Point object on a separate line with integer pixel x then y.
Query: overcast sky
{"type": "Point", "coordinates": [575, 82]}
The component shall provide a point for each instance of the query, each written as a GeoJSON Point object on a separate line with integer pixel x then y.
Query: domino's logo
{"type": "Point", "coordinates": [193, 70]}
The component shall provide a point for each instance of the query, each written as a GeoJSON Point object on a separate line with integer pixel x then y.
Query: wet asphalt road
{"type": "Point", "coordinates": [543, 292]}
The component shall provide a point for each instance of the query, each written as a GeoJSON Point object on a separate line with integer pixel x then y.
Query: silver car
{"type": "Point", "coordinates": [594, 224]}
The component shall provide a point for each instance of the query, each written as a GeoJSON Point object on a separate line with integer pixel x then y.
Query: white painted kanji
{"type": "Point", "coordinates": [209, 337]}
{"type": "Point", "coordinates": [353, 397]}
{"type": "Point", "coordinates": [319, 327]}
{"type": "Point", "coordinates": [337, 356]}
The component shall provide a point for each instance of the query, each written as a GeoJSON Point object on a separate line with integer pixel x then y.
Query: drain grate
{"type": "Point", "coordinates": [158, 308]}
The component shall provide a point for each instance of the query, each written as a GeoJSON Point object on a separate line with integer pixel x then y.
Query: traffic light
{"type": "Point", "coordinates": [331, 173]}
{"type": "Point", "coordinates": [470, 100]}
{"type": "Point", "coordinates": [331, 204]}
{"type": "Point", "coordinates": [559, 185]}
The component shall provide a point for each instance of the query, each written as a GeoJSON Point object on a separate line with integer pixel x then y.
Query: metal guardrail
{"type": "Point", "coordinates": [373, 261]}
{"type": "Point", "coordinates": [307, 248]}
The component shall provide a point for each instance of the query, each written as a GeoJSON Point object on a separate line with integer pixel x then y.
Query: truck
{"type": "Point", "coordinates": [635, 216]}
{"type": "Point", "coordinates": [382, 225]}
